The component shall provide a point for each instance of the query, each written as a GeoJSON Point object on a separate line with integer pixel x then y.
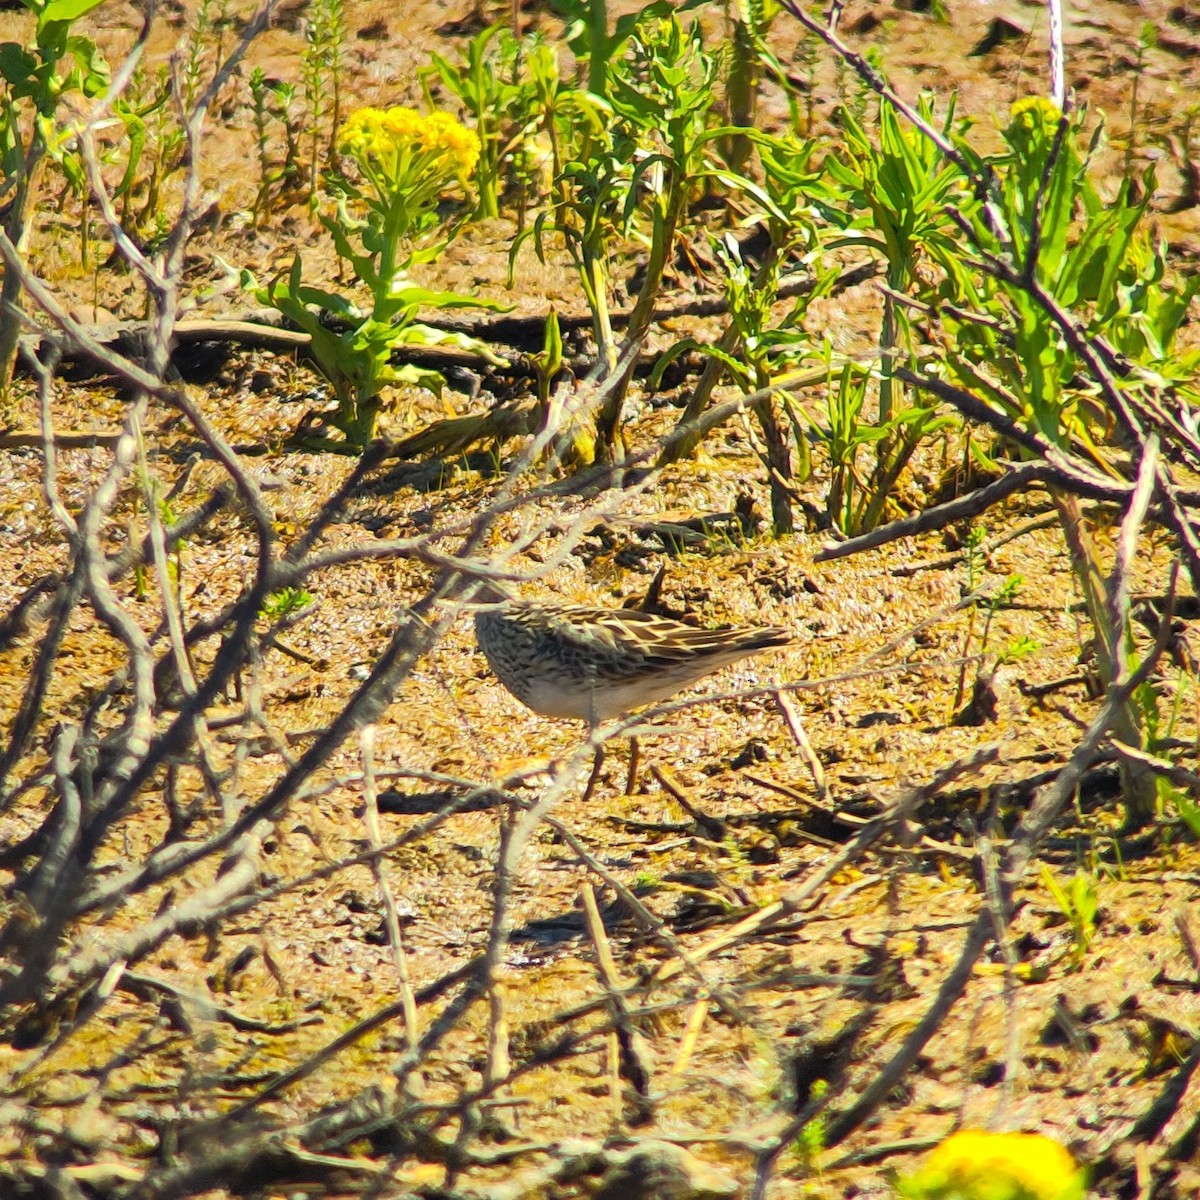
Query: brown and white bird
{"type": "Point", "coordinates": [594, 664]}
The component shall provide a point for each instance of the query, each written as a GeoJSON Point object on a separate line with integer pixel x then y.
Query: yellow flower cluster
{"type": "Point", "coordinates": [394, 140]}
{"type": "Point", "coordinates": [1035, 112]}
{"type": "Point", "coordinates": [457, 142]}
{"type": "Point", "coordinates": [974, 1165]}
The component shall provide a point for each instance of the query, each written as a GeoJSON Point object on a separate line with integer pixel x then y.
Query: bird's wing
{"type": "Point", "coordinates": [655, 641]}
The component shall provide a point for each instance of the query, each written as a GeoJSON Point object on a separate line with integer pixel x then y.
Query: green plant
{"type": "Point", "coordinates": [550, 99]}
{"type": "Point", "coordinates": [1147, 40]}
{"type": "Point", "coordinates": [259, 106]}
{"type": "Point", "coordinates": [847, 435]}
{"type": "Point", "coordinates": [663, 94]}
{"type": "Point", "coordinates": [160, 508]}
{"type": "Point", "coordinates": [34, 79]}
{"type": "Point", "coordinates": [271, 102]}
{"type": "Point", "coordinates": [811, 1143]}
{"type": "Point", "coordinates": [1189, 810]}
{"type": "Point", "coordinates": [629, 163]}
{"type": "Point", "coordinates": [755, 352]}
{"type": "Point", "coordinates": [487, 84]}
{"type": "Point", "coordinates": [973, 556]}
{"type": "Point", "coordinates": [286, 602]}
{"type": "Point", "coordinates": [593, 46]}
{"type": "Point", "coordinates": [782, 208]}
{"type": "Point", "coordinates": [892, 199]}
{"type": "Point", "coordinates": [133, 121]}
{"type": "Point", "coordinates": [321, 66]}
{"type": "Point", "coordinates": [548, 362]}
{"type": "Point", "coordinates": [62, 150]}
{"type": "Point", "coordinates": [164, 144]}
{"type": "Point", "coordinates": [766, 351]}
{"type": "Point", "coordinates": [748, 57]}
{"type": "Point", "coordinates": [118, 143]}
{"type": "Point", "coordinates": [1054, 247]}
{"type": "Point", "coordinates": [1003, 597]}
{"type": "Point", "coordinates": [202, 47]}
{"type": "Point", "coordinates": [806, 59]}
{"type": "Point", "coordinates": [546, 101]}
{"type": "Point", "coordinates": [404, 162]}
{"type": "Point", "coordinates": [1019, 648]}
{"type": "Point", "coordinates": [589, 194]}
{"type": "Point", "coordinates": [1086, 255]}
{"type": "Point", "coordinates": [854, 93]}
{"type": "Point", "coordinates": [1079, 902]}
{"type": "Point", "coordinates": [976, 561]}
{"type": "Point", "coordinates": [572, 444]}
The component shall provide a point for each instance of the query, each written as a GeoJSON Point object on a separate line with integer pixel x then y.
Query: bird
{"type": "Point", "coordinates": [594, 664]}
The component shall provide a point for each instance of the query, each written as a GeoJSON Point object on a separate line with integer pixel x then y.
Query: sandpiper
{"type": "Point", "coordinates": [593, 664]}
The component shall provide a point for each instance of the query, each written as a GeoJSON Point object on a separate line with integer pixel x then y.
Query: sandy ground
{"type": "Point", "coordinates": [1077, 1046]}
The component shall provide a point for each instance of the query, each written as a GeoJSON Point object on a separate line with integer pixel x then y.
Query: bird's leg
{"type": "Point", "coordinates": [591, 783]}
{"type": "Point", "coordinates": [635, 758]}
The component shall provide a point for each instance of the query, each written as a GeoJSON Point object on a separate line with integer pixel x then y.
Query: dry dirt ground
{"type": "Point", "coordinates": [724, 819]}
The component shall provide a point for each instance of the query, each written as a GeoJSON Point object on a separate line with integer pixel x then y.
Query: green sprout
{"type": "Point", "coordinates": [321, 64]}
{"type": "Point", "coordinates": [1079, 902]}
{"type": "Point", "coordinates": [810, 1144]}
{"type": "Point", "coordinates": [286, 602]}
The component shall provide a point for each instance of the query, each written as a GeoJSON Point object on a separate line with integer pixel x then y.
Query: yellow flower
{"type": "Point", "coordinates": [974, 1165]}
{"type": "Point", "coordinates": [455, 140]}
{"type": "Point", "coordinates": [362, 133]}
{"type": "Point", "coordinates": [403, 125]}
{"type": "Point", "coordinates": [1035, 112]}
{"type": "Point", "coordinates": [402, 144]}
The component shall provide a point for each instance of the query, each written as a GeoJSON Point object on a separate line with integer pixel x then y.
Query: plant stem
{"type": "Point", "coordinates": [779, 462]}
{"type": "Point", "coordinates": [766, 276]}
{"type": "Point", "coordinates": [17, 230]}
{"type": "Point", "coordinates": [598, 39]}
{"type": "Point", "coordinates": [1138, 785]}
{"type": "Point", "coordinates": [661, 246]}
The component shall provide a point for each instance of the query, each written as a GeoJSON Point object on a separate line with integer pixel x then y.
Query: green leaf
{"type": "Point", "coordinates": [331, 302]}
{"type": "Point", "coordinates": [413, 295]}
{"type": "Point", "coordinates": [426, 335]}
{"type": "Point", "coordinates": [684, 346]}
{"type": "Point", "coordinates": [16, 64]}
{"type": "Point", "coordinates": [549, 359]}
{"type": "Point", "coordinates": [416, 376]}
{"type": "Point", "coordinates": [65, 10]}
{"type": "Point", "coordinates": [91, 74]}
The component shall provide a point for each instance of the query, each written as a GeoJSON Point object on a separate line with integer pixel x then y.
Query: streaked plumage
{"type": "Point", "coordinates": [592, 664]}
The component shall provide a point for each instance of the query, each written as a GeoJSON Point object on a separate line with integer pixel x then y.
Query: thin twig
{"type": "Point", "coordinates": [795, 725]}
{"type": "Point", "coordinates": [629, 1054]}
{"type": "Point", "coordinates": [391, 916]}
